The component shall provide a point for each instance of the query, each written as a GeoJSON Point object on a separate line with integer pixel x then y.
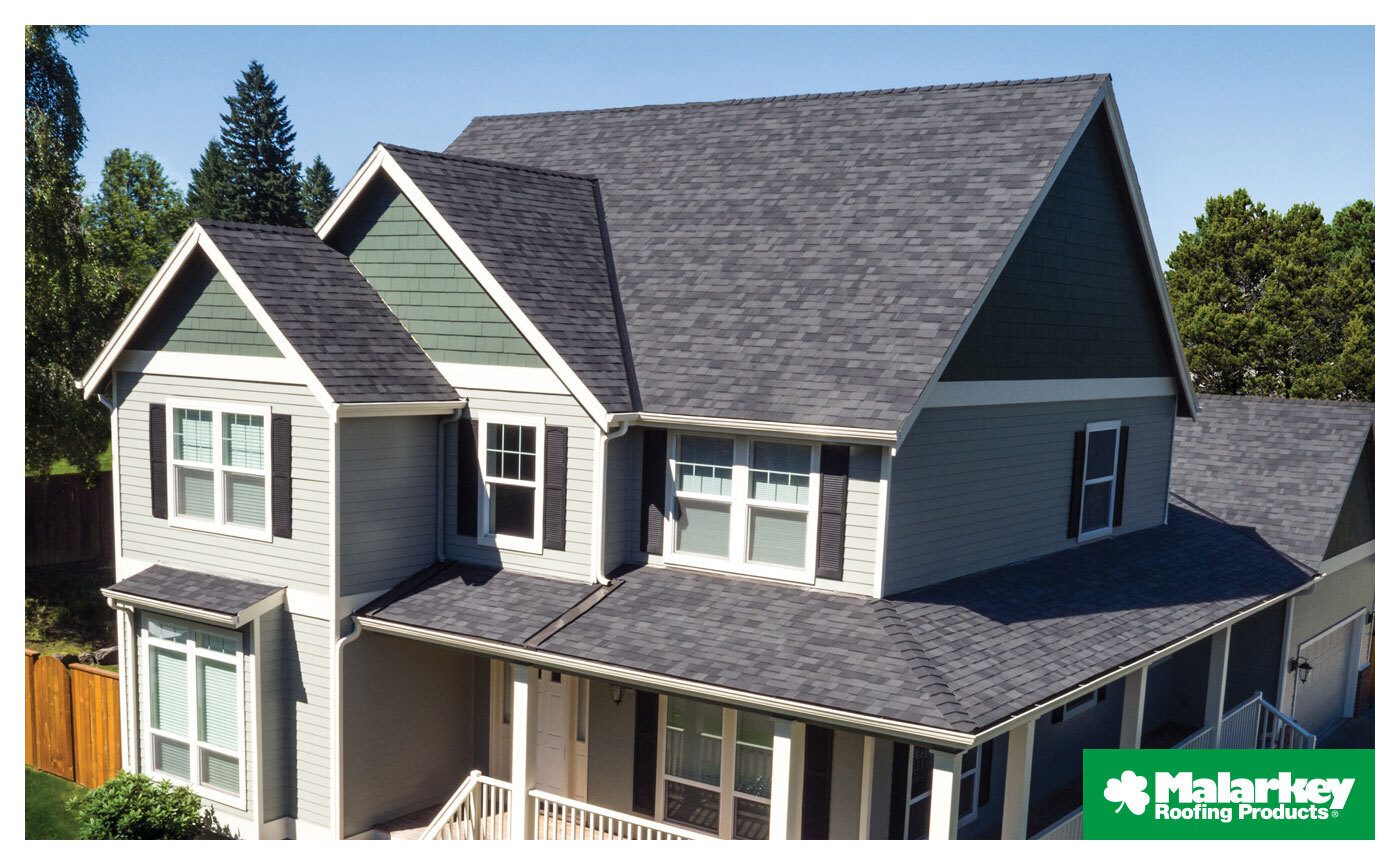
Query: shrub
{"type": "Point", "coordinates": [135, 807]}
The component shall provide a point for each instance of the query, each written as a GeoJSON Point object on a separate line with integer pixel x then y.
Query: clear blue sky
{"type": "Point", "coordinates": [1287, 113]}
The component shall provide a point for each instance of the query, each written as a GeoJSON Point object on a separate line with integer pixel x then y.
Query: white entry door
{"type": "Point", "coordinates": [551, 735]}
{"type": "Point", "coordinates": [1322, 700]}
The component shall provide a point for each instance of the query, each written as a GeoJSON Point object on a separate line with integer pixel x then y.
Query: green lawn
{"type": "Point", "coordinates": [62, 467]}
{"type": "Point", "coordinates": [44, 813]}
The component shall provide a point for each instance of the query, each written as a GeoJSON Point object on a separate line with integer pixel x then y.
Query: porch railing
{"type": "Point", "coordinates": [1068, 828]}
{"type": "Point", "coordinates": [560, 819]}
{"type": "Point", "coordinates": [479, 810]}
{"type": "Point", "coordinates": [1255, 723]}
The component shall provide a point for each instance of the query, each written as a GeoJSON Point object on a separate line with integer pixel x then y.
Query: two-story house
{"type": "Point", "coordinates": [773, 468]}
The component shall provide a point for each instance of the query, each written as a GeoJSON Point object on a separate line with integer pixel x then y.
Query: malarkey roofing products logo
{"type": "Point", "coordinates": [1230, 794]}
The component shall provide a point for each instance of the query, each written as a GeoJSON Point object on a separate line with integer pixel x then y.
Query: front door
{"type": "Point", "coordinates": [551, 735]}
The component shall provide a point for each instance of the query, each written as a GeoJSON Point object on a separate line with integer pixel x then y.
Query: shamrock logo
{"type": "Point", "coordinates": [1130, 790]}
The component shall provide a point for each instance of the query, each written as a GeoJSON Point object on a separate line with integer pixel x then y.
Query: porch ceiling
{"type": "Point", "coordinates": [961, 655]}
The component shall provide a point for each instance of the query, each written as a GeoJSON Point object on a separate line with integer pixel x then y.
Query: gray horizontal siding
{"type": "Point", "coordinates": [274, 633]}
{"type": "Point", "coordinates": [308, 686]}
{"type": "Point", "coordinates": [388, 500]}
{"type": "Point", "coordinates": [301, 561]}
{"type": "Point", "coordinates": [977, 487]}
{"type": "Point", "coordinates": [574, 560]}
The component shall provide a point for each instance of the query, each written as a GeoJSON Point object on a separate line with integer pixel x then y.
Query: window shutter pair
{"type": "Point", "coordinates": [280, 475]}
{"type": "Point", "coordinates": [1076, 488]}
{"type": "Point", "coordinates": [555, 487]}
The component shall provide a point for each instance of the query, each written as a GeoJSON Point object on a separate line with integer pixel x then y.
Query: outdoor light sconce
{"type": "Point", "coordinates": [618, 692]}
{"type": "Point", "coordinates": [1300, 666]}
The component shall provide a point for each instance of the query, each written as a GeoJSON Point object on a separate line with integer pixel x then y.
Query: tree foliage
{"type": "Point", "coordinates": [258, 139]}
{"type": "Point", "coordinates": [318, 190]}
{"type": "Point", "coordinates": [66, 312]}
{"type": "Point", "coordinates": [133, 220]}
{"type": "Point", "coordinates": [212, 193]}
{"type": "Point", "coordinates": [1278, 304]}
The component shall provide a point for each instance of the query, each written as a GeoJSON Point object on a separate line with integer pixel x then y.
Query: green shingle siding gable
{"type": "Point", "coordinates": [445, 309]}
{"type": "Point", "coordinates": [201, 313]}
{"type": "Point", "coordinates": [1076, 299]}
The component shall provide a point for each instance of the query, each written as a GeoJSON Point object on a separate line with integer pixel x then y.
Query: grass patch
{"type": "Point", "coordinates": [63, 467]}
{"type": "Point", "coordinates": [45, 814]}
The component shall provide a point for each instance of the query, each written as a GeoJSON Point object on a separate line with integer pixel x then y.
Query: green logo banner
{"type": "Point", "coordinates": [1191, 794]}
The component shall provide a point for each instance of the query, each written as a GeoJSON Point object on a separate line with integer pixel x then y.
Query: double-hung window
{"type": "Point", "coordinates": [512, 504]}
{"type": "Point", "coordinates": [219, 468]}
{"type": "Point", "coordinates": [1100, 479]}
{"type": "Point", "coordinates": [717, 769]}
{"type": "Point", "coordinates": [194, 707]}
{"type": "Point", "coordinates": [744, 504]}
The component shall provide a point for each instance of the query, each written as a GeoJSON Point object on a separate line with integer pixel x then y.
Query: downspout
{"type": "Point", "coordinates": [455, 417]}
{"type": "Point", "coordinates": [600, 519]}
{"type": "Point", "coordinates": [126, 696]}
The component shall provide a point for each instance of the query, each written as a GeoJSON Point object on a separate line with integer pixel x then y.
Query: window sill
{"type": "Point", "coordinates": [512, 544]}
{"type": "Point", "coordinates": [727, 567]}
{"type": "Point", "coordinates": [250, 534]}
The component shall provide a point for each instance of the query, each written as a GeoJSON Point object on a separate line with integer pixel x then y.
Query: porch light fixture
{"type": "Point", "coordinates": [1300, 666]}
{"type": "Point", "coordinates": [618, 692]}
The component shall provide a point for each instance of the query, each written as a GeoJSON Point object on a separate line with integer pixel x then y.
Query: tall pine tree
{"type": "Point", "coordinates": [134, 219]}
{"type": "Point", "coordinates": [317, 190]}
{"type": "Point", "coordinates": [212, 193]}
{"type": "Point", "coordinates": [258, 139]}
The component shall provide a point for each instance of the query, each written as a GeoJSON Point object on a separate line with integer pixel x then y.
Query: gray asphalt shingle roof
{"type": "Point", "coordinates": [209, 592]}
{"type": "Point", "coordinates": [960, 655]}
{"type": "Point", "coordinates": [805, 259]}
{"type": "Point", "coordinates": [539, 234]}
{"type": "Point", "coordinates": [354, 345]}
{"type": "Point", "coordinates": [1280, 467]}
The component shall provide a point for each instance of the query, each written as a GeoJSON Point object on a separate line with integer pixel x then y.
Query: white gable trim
{"type": "Point", "coordinates": [1103, 97]}
{"type": "Point", "coordinates": [274, 370]}
{"type": "Point", "coordinates": [197, 238]}
{"type": "Point", "coordinates": [381, 159]}
{"type": "Point", "coordinates": [948, 394]}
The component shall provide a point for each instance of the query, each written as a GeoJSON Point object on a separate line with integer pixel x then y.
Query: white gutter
{"type": "Point", "coordinates": [600, 499]}
{"type": "Point", "coordinates": [830, 434]}
{"type": "Point", "coordinates": [441, 533]}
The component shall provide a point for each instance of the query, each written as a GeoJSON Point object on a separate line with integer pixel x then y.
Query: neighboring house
{"type": "Point", "coordinates": [774, 468]}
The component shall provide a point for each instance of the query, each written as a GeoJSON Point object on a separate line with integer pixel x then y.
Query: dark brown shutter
{"type": "Point", "coordinates": [899, 790]}
{"type": "Point", "coordinates": [556, 485]}
{"type": "Point", "coordinates": [1122, 473]}
{"type": "Point", "coordinates": [653, 489]}
{"type": "Point", "coordinates": [984, 768]}
{"type": "Point", "coordinates": [831, 516]}
{"type": "Point", "coordinates": [159, 507]}
{"type": "Point", "coordinates": [281, 476]}
{"type": "Point", "coordinates": [816, 784]}
{"type": "Point", "coordinates": [1076, 486]}
{"type": "Point", "coordinates": [644, 754]}
{"type": "Point", "coordinates": [466, 477]}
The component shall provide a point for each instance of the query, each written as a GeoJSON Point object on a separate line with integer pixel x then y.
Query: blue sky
{"type": "Point", "coordinates": [1287, 113]}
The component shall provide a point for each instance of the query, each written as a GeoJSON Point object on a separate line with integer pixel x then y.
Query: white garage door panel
{"type": "Point", "coordinates": [1322, 698]}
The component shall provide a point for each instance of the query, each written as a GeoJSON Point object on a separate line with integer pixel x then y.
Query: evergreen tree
{"type": "Point", "coordinates": [133, 221]}
{"type": "Point", "coordinates": [66, 313]}
{"type": "Point", "coordinates": [318, 190]}
{"type": "Point", "coordinates": [212, 193]}
{"type": "Point", "coordinates": [1277, 304]}
{"type": "Point", "coordinates": [258, 139]}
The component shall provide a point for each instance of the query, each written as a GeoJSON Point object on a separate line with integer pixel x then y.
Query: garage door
{"type": "Point", "coordinates": [1322, 698]}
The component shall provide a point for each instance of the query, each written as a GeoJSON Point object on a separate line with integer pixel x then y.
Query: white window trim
{"type": "Point", "coordinates": [219, 470]}
{"type": "Point", "coordinates": [1112, 477]}
{"type": "Point", "coordinates": [729, 752]}
{"type": "Point", "coordinates": [534, 545]}
{"type": "Point", "coordinates": [740, 503]}
{"type": "Point", "coordinates": [192, 652]}
{"type": "Point", "coordinates": [1082, 704]}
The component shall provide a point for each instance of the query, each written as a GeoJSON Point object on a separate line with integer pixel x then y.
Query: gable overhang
{"type": "Point", "coordinates": [1103, 99]}
{"type": "Point", "coordinates": [821, 432]}
{"type": "Point", "coordinates": [381, 160]}
{"type": "Point", "coordinates": [197, 239]}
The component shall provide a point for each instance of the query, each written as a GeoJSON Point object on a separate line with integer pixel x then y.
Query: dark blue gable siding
{"type": "Point", "coordinates": [1076, 299]}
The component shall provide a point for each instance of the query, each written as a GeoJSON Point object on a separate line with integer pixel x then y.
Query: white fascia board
{"type": "Point", "coordinates": [271, 370]}
{"type": "Point", "coordinates": [225, 620]}
{"type": "Point", "coordinates": [948, 394]}
{"type": "Point", "coordinates": [514, 379]}
{"type": "Point", "coordinates": [382, 160]}
{"type": "Point", "coordinates": [398, 409]}
{"type": "Point", "coordinates": [933, 736]}
{"type": "Point", "coordinates": [737, 426]}
{"type": "Point", "coordinates": [106, 358]}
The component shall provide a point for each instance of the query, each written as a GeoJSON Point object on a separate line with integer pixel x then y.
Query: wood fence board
{"type": "Point", "coordinates": [29, 657]}
{"type": "Point", "coordinates": [96, 725]}
{"type": "Point", "coordinates": [72, 720]}
{"type": "Point", "coordinates": [53, 716]}
{"type": "Point", "coordinates": [65, 521]}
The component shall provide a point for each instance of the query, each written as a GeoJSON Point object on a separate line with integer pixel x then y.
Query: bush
{"type": "Point", "coordinates": [135, 807]}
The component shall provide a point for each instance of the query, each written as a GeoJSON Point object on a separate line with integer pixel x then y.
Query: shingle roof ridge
{"type": "Point", "coordinates": [798, 97]}
{"type": "Point", "coordinates": [1287, 400]}
{"type": "Point", "coordinates": [930, 678]}
{"type": "Point", "coordinates": [491, 163]}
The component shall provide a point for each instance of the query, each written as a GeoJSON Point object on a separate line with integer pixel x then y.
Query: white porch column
{"type": "Point", "coordinates": [1215, 682]}
{"type": "Point", "coordinates": [943, 801]}
{"type": "Point", "coordinates": [785, 797]}
{"type": "Point", "coordinates": [524, 702]}
{"type": "Point", "coordinates": [1016, 796]}
{"type": "Point", "coordinates": [867, 786]}
{"type": "Point", "coordinates": [1134, 700]}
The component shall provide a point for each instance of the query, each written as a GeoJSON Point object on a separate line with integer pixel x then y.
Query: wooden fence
{"type": "Point", "coordinates": [65, 521]}
{"type": "Point", "coordinates": [72, 720]}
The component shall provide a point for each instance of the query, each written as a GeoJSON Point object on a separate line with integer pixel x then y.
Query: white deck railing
{"type": "Point", "coordinates": [1255, 723]}
{"type": "Point", "coordinates": [1068, 828]}
{"type": "Point", "coordinates": [478, 811]}
{"type": "Point", "coordinates": [560, 819]}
